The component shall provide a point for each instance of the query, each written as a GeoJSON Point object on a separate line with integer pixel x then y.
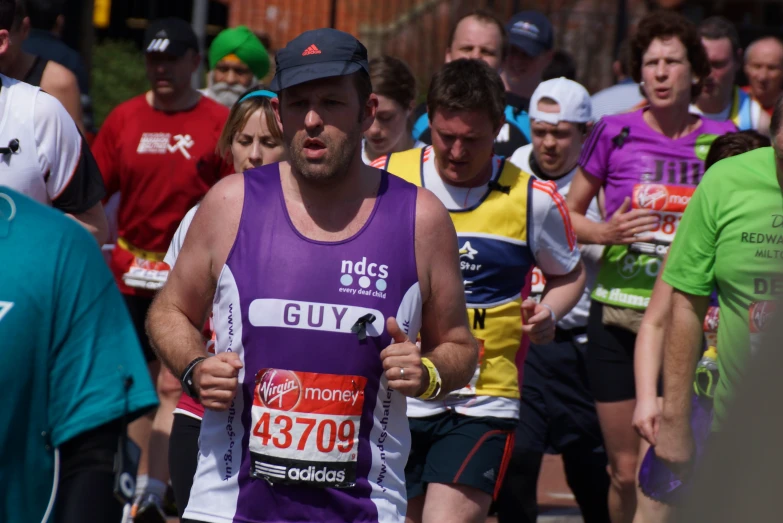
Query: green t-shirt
{"type": "Point", "coordinates": [67, 345]}
{"type": "Point", "coordinates": [731, 238]}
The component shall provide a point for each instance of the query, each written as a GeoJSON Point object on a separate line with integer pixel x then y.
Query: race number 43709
{"type": "Point", "coordinates": [306, 427]}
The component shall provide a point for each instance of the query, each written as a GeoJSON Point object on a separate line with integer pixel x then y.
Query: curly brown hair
{"type": "Point", "coordinates": [668, 24]}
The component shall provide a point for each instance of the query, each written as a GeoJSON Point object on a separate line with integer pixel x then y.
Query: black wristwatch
{"type": "Point", "coordinates": [187, 378]}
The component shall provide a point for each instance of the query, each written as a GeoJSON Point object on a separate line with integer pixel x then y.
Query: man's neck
{"type": "Point", "coordinates": [331, 210]}
{"type": "Point", "coordinates": [175, 103]}
{"type": "Point", "coordinates": [351, 186]}
{"type": "Point", "coordinates": [17, 67]}
{"type": "Point", "coordinates": [716, 105]}
{"type": "Point", "coordinates": [540, 173]}
{"type": "Point", "coordinates": [482, 178]}
{"type": "Point", "coordinates": [769, 102]}
{"type": "Point", "coordinates": [405, 143]}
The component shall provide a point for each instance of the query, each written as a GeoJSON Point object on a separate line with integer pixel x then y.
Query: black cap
{"type": "Point", "coordinates": [170, 35]}
{"type": "Point", "coordinates": [316, 54]}
{"type": "Point", "coordinates": [531, 32]}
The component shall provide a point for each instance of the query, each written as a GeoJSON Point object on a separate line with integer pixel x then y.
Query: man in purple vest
{"type": "Point", "coordinates": [320, 274]}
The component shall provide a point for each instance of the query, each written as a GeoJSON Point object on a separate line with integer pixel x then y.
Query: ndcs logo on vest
{"type": "Point", "coordinates": [364, 278]}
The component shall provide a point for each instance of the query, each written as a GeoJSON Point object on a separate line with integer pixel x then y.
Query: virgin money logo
{"type": "Point", "coordinates": [278, 389]}
{"type": "Point", "coordinates": [760, 314]}
{"type": "Point", "coordinates": [651, 196]}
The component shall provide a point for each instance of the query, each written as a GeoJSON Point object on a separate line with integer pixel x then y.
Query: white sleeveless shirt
{"type": "Point", "coordinates": [49, 142]}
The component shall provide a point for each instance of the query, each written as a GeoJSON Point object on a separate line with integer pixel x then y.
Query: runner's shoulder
{"type": "Point", "coordinates": [614, 123]}
{"type": "Point", "coordinates": [740, 169]}
{"type": "Point", "coordinates": [717, 127]}
{"type": "Point", "coordinates": [210, 106]}
{"type": "Point", "coordinates": [41, 227]}
{"type": "Point", "coordinates": [127, 110]}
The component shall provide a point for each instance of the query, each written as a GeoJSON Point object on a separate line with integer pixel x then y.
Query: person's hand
{"type": "Point", "coordinates": [647, 419]}
{"type": "Point", "coordinates": [402, 363]}
{"type": "Point", "coordinates": [538, 323]}
{"type": "Point", "coordinates": [216, 380]}
{"type": "Point", "coordinates": [626, 227]}
{"type": "Point", "coordinates": [674, 445]}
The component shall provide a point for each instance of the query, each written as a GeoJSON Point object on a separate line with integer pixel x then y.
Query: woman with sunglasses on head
{"type": "Point", "coordinates": [251, 138]}
{"type": "Point", "coordinates": [395, 87]}
{"type": "Point", "coordinates": [648, 162]}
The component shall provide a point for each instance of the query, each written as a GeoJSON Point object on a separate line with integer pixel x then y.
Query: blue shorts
{"type": "Point", "coordinates": [557, 411]}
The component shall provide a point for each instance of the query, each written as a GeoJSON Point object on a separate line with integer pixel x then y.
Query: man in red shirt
{"type": "Point", "coordinates": [157, 150]}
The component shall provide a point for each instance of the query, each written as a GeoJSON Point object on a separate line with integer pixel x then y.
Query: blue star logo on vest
{"type": "Point", "coordinates": [468, 252]}
{"type": "Point", "coordinates": [364, 275]}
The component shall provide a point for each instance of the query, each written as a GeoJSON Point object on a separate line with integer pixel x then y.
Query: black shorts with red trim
{"type": "Point", "coordinates": [452, 448]}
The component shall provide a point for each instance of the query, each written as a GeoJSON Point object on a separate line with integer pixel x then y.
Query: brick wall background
{"type": "Point", "coordinates": [417, 30]}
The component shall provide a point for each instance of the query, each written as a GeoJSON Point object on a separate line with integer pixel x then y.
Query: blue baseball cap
{"type": "Point", "coordinates": [316, 54]}
{"type": "Point", "coordinates": [531, 32]}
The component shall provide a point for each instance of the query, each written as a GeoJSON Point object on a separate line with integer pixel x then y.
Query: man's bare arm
{"type": "Point", "coordinates": [94, 220]}
{"type": "Point", "coordinates": [682, 352]}
{"type": "Point", "coordinates": [61, 83]}
{"type": "Point", "coordinates": [445, 336]}
{"type": "Point", "coordinates": [675, 439]}
{"type": "Point", "coordinates": [179, 311]}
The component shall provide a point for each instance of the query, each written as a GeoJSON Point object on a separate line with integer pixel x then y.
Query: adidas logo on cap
{"type": "Point", "coordinates": [159, 45]}
{"type": "Point", "coordinates": [311, 50]}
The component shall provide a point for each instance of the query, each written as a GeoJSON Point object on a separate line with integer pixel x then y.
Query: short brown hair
{"type": "Point", "coordinates": [732, 144]}
{"type": "Point", "coordinates": [487, 17]}
{"type": "Point", "coordinates": [467, 85]}
{"type": "Point", "coordinates": [238, 117]}
{"type": "Point", "coordinates": [391, 77]}
{"type": "Point", "coordinates": [667, 24]}
{"type": "Point", "coordinates": [716, 28]}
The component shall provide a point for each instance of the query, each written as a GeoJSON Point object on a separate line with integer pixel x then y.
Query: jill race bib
{"type": "Point", "coordinates": [668, 203]}
{"type": "Point", "coordinates": [306, 428]}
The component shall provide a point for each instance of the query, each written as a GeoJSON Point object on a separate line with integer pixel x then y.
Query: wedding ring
{"type": "Point", "coordinates": [402, 373]}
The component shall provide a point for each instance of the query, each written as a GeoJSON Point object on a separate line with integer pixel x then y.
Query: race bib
{"type": "Point", "coordinates": [759, 316]}
{"type": "Point", "coordinates": [470, 388]}
{"type": "Point", "coordinates": [146, 274]}
{"type": "Point", "coordinates": [306, 428]}
{"type": "Point", "coordinates": [711, 321]}
{"type": "Point", "coordinates": [668, 203]}
{"type": "Point", "coordinates": [537, 284]}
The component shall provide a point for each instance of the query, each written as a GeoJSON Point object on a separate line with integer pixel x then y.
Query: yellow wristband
{"type": "Point", "coordinates": [435, 382]}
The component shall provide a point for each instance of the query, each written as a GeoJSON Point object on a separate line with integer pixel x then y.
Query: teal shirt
{"type": "Point", "coordinates": [67, 346]}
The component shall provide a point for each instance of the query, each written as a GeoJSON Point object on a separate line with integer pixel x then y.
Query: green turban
{"type": "Point", "coordinates": [243, 43]}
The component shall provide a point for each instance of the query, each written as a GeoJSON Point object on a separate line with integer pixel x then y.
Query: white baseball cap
{"type": "Point", "coordinates": [572, 97]}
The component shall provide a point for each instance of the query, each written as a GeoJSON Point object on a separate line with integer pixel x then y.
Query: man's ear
{"type": "Point", "coordinates": [588, 130]}
{"type": "Point", "coordinates": [195, 61]}
{"type": "Point", "coordinates": [275, 103]}
{"type": "Point", "coordinates": [370, 108]}
{"type": "Point", "coordinates": [5, 41]}
{"type": "Point", "coordinates": [500, 125]}
{"type": "Point", "coordinates": [25, 28]}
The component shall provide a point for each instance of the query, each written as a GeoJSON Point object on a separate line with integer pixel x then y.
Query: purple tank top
{"type": "Point", "coordinates": [314, 433]}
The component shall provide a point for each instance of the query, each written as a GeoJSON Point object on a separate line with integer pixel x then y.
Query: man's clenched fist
{"type": "Point", "coordinates": [402, 363]}
{"type": "Point", "coordinates": [216, 380]}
